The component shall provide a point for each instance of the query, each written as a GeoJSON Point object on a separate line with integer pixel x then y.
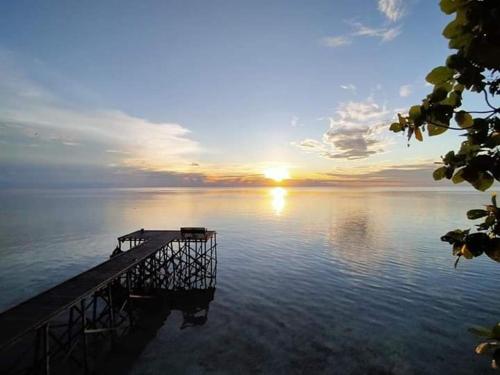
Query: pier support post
{"type": "Point", "coordinates": [46, 349]}
{"type": "Point", "coordinates": [84, 336]}
{"type": "Point", "coordinates": [111, 314]}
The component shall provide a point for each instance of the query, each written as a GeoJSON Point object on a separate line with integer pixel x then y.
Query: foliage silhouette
{"type": "Point", "coordinates": [475, 68]}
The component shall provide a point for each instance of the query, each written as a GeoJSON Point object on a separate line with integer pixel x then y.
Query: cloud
{"type": "Point", "coordinates": [336, 41]}
{"type": "Point", "coordinates": [29, 111]}
{"type": "Point", "coordinates": [416, 174]}
{"type": "Point", "coordinates": [111, 151]}
{"type": "Point", "coordinates": [405, 91]}
{"type": "Point", "coordinates": [311, 145]}
{"type": "Point", "coordinates": [349, 87]}
{"type": "Point", "coordinates": [354, 132]}
{"type": "Point", "coordinates": [385, 34]}
{"type": "Point", "coordinates": [22, 175]}
{"type": "Point", "coordinates": [350, 144]}
{"type": "Point", "coordinates": [295, 122]}
{"type": "Point", "coordinates": [394, 10]}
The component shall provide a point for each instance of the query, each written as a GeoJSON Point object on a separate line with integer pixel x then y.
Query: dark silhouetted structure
{"type": "Point", "coordinates": [63, 328]}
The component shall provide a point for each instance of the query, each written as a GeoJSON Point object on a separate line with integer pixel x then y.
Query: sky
{"type": "Point", "coordinates": [215, 93]}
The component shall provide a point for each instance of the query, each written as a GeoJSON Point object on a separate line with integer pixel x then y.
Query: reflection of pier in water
{"type": "Point", "coordinates": [193, 304]}
{"type": "Point", "coordinates": [72, 325]}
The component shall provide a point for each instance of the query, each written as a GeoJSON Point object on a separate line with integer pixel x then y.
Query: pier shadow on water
{"type": "Point", "coordinates": [192, 304]}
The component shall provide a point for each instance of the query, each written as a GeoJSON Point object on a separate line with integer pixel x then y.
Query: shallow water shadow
{"type": "Point", "coordinates": [194, 305]}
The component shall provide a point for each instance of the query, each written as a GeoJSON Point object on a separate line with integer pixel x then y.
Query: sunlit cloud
{"type": "Point", "coordinates": [394, 10]}
{"type": "Point", "coordinates": [32, 112]}
{"type": "Point", "coordinates": [336, 41]}
{"type": "Point", "coordinates": [310, 145]}
{"type": "Point", "coordinates": [405, 91]}
{"type": "Point", "coordinates": [351, 144]}
{"type": "Point", "coordinates": [228, 139]}
{"type": "Point", "coordinates": [418, 173]}
{"type": "Point", "coordinates": [354, 132]}
{"type": "Point", "coordinates": [295, 122]}
{"type": "Point", "coordinates": [81, 176]}
{"type": "Point", "coordinates": [111, 151]}
{"type": "Point", "coordinates": [349, 87]}
{"type": "Point", "coordinates": [412, 174]}
{"type": "Point", "coordinates": [385, 34]}
{"type": "Point", "coordinates": [359, 29]}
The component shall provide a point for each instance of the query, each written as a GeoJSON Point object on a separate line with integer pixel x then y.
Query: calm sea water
{"type": "Point", "coordinates": [309, 281]}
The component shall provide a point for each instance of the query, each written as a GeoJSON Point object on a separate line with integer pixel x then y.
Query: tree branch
{"type": "Point", "coordinates": [488, 101]}
{"type": "Point", "coordinates": [490, 111]}
{"type": "Point", "coordinates": [449, 127]}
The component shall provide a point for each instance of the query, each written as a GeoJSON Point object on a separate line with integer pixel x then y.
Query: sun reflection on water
{"type": "Point", "coordinates": [278, 199]}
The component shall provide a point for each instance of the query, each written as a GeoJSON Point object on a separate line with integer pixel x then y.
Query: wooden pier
{"type": "Point", "coordinates": [54, 327]}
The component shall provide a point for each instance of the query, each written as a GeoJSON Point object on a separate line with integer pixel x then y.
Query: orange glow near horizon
{"type": "Point", "coordinates": [277, 174]}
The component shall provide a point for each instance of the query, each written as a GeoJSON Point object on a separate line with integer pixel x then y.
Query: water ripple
{"type": "Point", "coordinates": [335, 282]}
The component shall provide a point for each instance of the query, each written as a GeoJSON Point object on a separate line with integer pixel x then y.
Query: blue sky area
{"type": "Point", "coordinates": [153, 93]}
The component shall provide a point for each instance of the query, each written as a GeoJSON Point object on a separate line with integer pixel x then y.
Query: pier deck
{"type": "Point", "coordinates": [37, 311]}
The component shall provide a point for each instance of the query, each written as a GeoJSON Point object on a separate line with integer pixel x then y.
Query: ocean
{"type": "Point", "coordinates": [309, 280]}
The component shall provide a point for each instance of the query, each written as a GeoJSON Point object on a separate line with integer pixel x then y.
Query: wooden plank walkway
{"type": "Point", "coordinates": [36, 311]}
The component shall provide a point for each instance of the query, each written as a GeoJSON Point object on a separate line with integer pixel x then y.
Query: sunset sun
{"type": "Point", "coordinates": [277, 174]}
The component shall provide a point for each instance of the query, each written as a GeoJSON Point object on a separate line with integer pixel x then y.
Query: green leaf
{"type": "Point", "coordinates": [440, 93]}
{"type": "Point", "coordinates": [415, 112]}
{"type": "Point", "coordinates": [456, 62]}
{"type": "Point", "coordinates": [468, 148]}
{"type": "Point", "coordinates": [493, 251]}
{"type": "Point", "coordinates": [461, 16]}
{"type": "Point", "coordinates": [447, 86]}
{"type": "Point", "coordinates": [460, 41]}
{"type": "Point", "coordinates": [458, 177]}
{"type": "Point", "coordinates": [435, 130]}
{"type": "Point", "coordinates": [454, 236]}
{"type": "Point", "coordinates": [453, 29]}
{"type": "Point", "coordinates": [396, 127]}
{"type": "Point", "coordinates": [454, 99]}
{"type": "Point", "coordinates": [464, 119]}
{"type": "Point", "coordinates": [439, 75]}
{"type": "Point", "coordinates": [448, 6]}
{"type": "Point", "coordinates": [483, 181]}
{"type": "Point", "coordinates": [439, 173]}
{"type": "Point", "coordinates": [458, 87]}
{"type": "Point", "coordinates": [476, 214]}
{"type": "Point", "coordinates": [402, 120]}
{"type": "Point", "coordinates": [441, 114]}
{"type": "Point", "coordinates": [449, 157]}
{"type": "Point", "coordinates": [477, 243]}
